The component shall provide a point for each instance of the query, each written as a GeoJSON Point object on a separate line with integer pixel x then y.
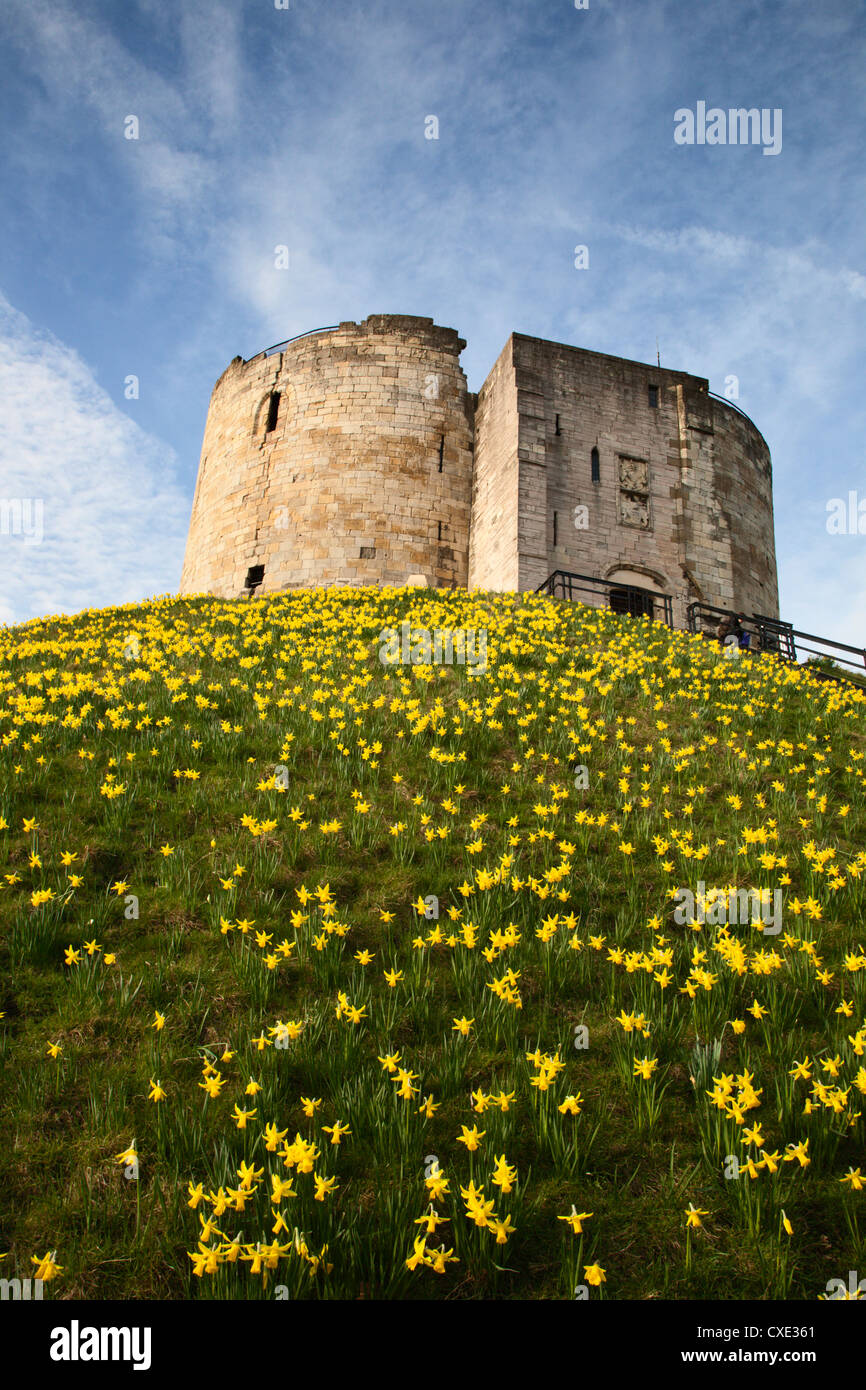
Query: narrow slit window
{"type": "Point", "coordinates": [596, 466]}
{"type": "Point", "coordinates": [555, 520]}
{"type": "Point", "coordinates": [441, 452]}
{"type": "Point", "coordinates": [557, 425]}
{"type": "Point", "coordinates": [653, 394]}
{"type": "Point", "coordinates": [439, 537]}
{"type": "Point", "coordinates": [273, 411]}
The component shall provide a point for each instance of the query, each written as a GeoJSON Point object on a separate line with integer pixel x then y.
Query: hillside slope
{"type": "Point", "coordinates": [327, 974]}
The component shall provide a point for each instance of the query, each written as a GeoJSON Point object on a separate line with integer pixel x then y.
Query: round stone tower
{"type": "Point", "coordinates": [343, 456]}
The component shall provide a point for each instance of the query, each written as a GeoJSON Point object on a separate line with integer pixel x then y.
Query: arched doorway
{"type": "Point", "coordinates": [634, 593]}
{"type": "Point", "coordinates": [637, 602]}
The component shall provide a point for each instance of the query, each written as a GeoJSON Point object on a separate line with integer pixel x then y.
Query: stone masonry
{"type": "Point", "coordinates": [357, 455]}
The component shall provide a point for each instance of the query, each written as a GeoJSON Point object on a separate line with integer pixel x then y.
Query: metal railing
{"type": "Point", "coordinates": [779, 637]}
{"type": "Point", "coordinates": [716, 397]}
{"type": "Point", "coordinates": [771, 635]}
{"type": "Point", "coordinates": [766, 634]}
{"type": "Point", "coordinates": [277, 347]}
{"type": "Point", "coordinates": [622, 598]}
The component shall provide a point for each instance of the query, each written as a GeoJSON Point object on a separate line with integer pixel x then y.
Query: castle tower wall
{"type": "Point", "coordinates": [494, 550]}
{"type": "Point", "coordinates": [365, 477]}
{"type": "Point", "coordinates": [742, 494]}
{"type": "Point", "coordinates": [357, 456]}
{"type": "Point", "coordinates": [683, 497]}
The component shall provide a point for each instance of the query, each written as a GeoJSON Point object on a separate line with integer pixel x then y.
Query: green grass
{"type": "Point", "coordinates": [683, 750]}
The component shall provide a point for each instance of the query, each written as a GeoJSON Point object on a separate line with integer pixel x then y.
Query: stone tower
{"type": "Point", "coordinates": [356, 455]}
{"type": "Point", "coordinates": [345, 457]}
{"type": "Point", "coordinates": [621, 471]}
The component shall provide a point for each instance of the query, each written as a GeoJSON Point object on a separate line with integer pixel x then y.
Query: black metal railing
{"type": "Point", "coordinates": [622, 598]}
{"type": "Point", "coordinates": [776, 636]}
{"type": "Point", "coordinates": [716, 397]}
{"type": "Point", "coordinates": [767, 634]}
{"type": "Point", "coordinates": [764, 634]}
{"type": "Point", "coordinates": [277, 347]}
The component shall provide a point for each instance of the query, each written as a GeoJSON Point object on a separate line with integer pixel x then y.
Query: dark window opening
{"type": "Point", "coordinates": [557, 425]}
{"type": "Point", "coordinates": [273, 411]}
{"type": "Point", "coordinates": [368, 552]}
{"type": "Point", "coordinates": [653, 393]}
{"type": "Point", "coordinates": [255, 575]}
{"type": "Point", "coordinates": [555, 520]}
{"type": "Point", "coordinates": [439, 537]}
{"type": "Point", "coordinates": [596, 466]}
{"type": "Point", "coordinates": [637, 602]}
{"type": "Point", "coordinates": [441, 452]}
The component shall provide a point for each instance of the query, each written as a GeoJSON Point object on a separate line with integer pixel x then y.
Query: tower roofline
{"type": "Point", "coordinates": [611, 357]}
{"type": "Point", "coordinates": [701, 383]}
{"type": "Point", "coordinates": [381, 324]}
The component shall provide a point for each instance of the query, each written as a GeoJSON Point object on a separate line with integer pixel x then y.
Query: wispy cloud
{"type": "Point", "coordinates": [305, 128]}
{"type": "Point", "coordinates": [111, 514]}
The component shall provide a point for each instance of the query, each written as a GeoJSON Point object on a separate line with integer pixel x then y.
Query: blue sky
{"type": "Point", "coordinates": [306, 127]}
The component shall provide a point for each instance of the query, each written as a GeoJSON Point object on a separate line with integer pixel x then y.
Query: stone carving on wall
{"type": "Point", "coordinates": [633, 474]}
{"type": "Point", "coordinates": [634, 502]}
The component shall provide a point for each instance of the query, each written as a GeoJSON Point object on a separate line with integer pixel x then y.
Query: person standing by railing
{"type": "Point", "coordinates": [746, 638]}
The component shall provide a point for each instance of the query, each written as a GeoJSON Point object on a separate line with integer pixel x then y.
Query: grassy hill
{"type": "Point", "coordinates": [325, 976]}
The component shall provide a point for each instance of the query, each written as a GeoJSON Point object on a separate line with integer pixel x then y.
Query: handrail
{"type": "Point", "coordinates": [309, 332]}
{"type": "Point", "coordinates": [716, 397]}
{"type": "Point", "coordinates": [569, 582]}
{"type": "Point", "coordinates": [826, 641]}
{"type": "Point", "coordinates": [787, 637]}
{"type": "Point", "coordinates": [837, 646]}
{"type": "Point", "coordinates": [774, 635]}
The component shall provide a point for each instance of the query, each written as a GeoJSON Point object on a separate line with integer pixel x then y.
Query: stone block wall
{"type": "Point", "coordinates": [357, 456]}
{"type": "Point", "coordinates": [494, 552]}
{"type": "Point", "coordinates": [365, 477]}
{"type": "Point", "coordinates": [683, 498]}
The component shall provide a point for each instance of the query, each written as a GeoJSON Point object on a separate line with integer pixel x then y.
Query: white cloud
{"type": "Point", "coordinates": [823, 589]}
{"type": "Point", "coordinates": [305, 127]}
{"type": "Point", "coordinates": [101, 491]}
